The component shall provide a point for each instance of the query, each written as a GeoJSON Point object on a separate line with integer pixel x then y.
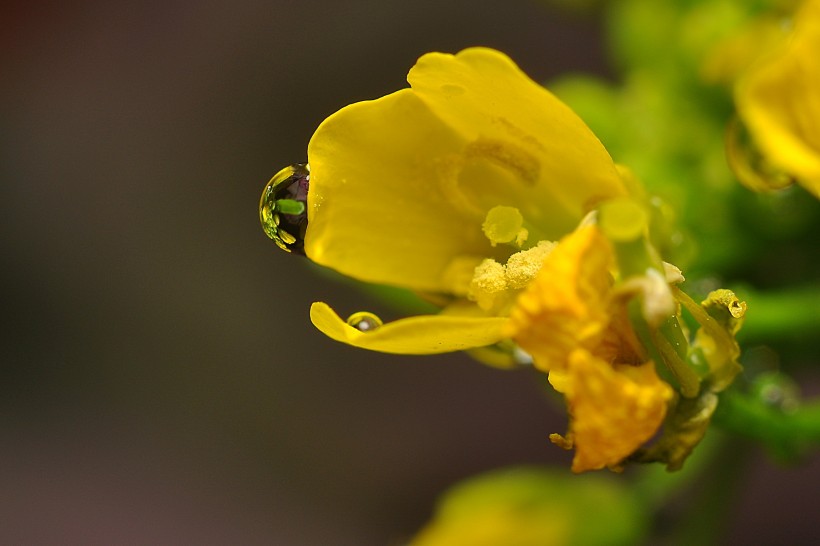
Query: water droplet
{"type": "Point", "coordinates": [364, 321]}
{"type": "Point", "coordinates": [522, 357]}
{"type": "Point", "coordinates": [283, 207]}
{"type": "Point", "coordinates": [749, 163]}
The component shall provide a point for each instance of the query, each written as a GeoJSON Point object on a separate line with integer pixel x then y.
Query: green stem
{"type": "Point", "coordinates": [674, 348]}
{"type": "Point", "coordinates": [788, 434]}
{"type": "Point", "coordinates": [667, 343]}
{"type": "Point", "coordinates": [789, 313]}
{"type": "Point", "coordinates": [645, 336]}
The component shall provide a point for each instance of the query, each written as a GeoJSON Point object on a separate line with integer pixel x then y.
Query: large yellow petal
{"type": "Point", "coordinates": [400, 186]}
{"type": "Point", "coordinates": [425, 334]}
{"type": "Point", "coordinates": [560, 169]}
{"type": "Point", "coordinates": [779, 100]}
{"type": "Point", "coordinates": [378, 208]}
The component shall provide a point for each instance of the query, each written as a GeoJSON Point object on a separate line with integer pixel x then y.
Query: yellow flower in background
{"type": "Point", "coordinates": [575, 327]}
{"type": "Point", "coordinates": [535, 507]}
{"type": "Point", "coordinates": [456, 186]}
{"type": "Point", "coordinates": [778, 100]}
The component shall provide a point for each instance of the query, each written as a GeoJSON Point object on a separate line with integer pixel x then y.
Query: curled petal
{"type": "Point", "coordinates": [424, 334]}
{"type": "Point", "coordinates": [720, 316]}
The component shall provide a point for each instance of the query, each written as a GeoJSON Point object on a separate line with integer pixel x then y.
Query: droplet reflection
{"type": "Point", "coordinates": [364, 321]}
{"type": "Point", "coordinates": [283, 207]}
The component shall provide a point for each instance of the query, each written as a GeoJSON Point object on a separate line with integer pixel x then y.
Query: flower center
{"type": "Point", "coordinates": [495, 287]}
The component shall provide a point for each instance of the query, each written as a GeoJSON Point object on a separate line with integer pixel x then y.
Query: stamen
{"type": "Point", "coordinates": [495, 286]}
{"type": "Point", "coordinates": [504, 225]}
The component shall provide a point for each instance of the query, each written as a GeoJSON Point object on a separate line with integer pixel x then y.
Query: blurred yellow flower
{"type": "Point", "coordinates": [456, 187]}
{"type": "Point", "coordinates": [576, 328]}
{"type": "Point", "coordinates": [778, 99]}
{"type": "Point", "coordinates": [535, 507]}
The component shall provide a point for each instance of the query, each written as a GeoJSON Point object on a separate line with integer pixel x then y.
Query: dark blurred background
{"type": "Point", "coordinates": [161, 382]}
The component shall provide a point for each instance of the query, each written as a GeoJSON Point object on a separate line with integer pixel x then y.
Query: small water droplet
{"type": "Point", "coordinates": [749, 164]}
{"type": "Point", "coordinates": [364, 321]}
{"type": "Point", "coordinates": [522, 357]}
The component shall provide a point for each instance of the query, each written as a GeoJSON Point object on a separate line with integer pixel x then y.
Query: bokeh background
{"type": "Point", "coordinates": [160, 381]}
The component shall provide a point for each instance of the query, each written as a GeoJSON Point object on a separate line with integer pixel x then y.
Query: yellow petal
{"type": "Point", "coordinates": [401, 186]}
{"type": "Point", "coordinates": [376, 207]}
{"type": "Point", "coordinates": [561, 169]}
{"type": "Point", "coordinates": [613, 409]}
{"type": "Point", "coordinates": [425, 334]}
{"type": "Point", "coordinates": [779, 100]}
{"type": "Point", "coordinates": [567, 305]}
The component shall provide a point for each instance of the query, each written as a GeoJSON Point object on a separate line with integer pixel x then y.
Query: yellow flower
{"type": "Point", "coordinates": [779, 101]}
{"type": "Point", "coordinates": [447, 188]}
{"type": "Point", "coordinates": [575, 327]}
{"type": "Point", "coordinates": [535, 507]}
{"type": "Point", "coordinates": [480, 190]}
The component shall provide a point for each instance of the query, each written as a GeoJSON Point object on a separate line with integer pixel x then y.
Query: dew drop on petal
{"type": "Point", "coordinates": [749, 163]}
{"type": "Point", "coordinates": [364, 321]}
{"type": "Point", "coordinates": [282, 207]}
{"type": "Point", "coordinates": [522, 357]}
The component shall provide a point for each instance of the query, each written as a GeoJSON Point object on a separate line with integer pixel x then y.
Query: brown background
{"type": "Point", "coordinates": [160, 380]}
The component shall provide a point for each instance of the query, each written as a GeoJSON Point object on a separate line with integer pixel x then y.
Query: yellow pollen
{"type": "Point", "coordinates": [488, 282]}
{"type": "Point", "coordinates": [522, 267]}
{"type": "Point", "coordinates": [494, 286]}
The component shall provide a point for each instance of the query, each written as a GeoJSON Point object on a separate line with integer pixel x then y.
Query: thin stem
{"type": "Point", "coordinates": [788, 434]}
{"type": "Point", "coordinates": [788, 313]}
{"type": "Point", "coordinates": [674, 347]}
{"type": "Point", "coordinates": [644, 334]}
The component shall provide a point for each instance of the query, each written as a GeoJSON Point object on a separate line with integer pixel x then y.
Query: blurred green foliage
{"type": "Point", "coordinates": [536, 507]}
